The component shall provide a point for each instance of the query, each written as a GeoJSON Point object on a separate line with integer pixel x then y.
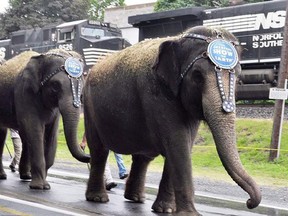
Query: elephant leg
{"type": "Point", "coordinates": [32, 131]}
{"type": "Point", "coordinates": [3, 133]}
{"type": "Point", "coordinates": [96, 190]}
{"type": "Point", "coordinates": [51, 142]}
{"type": "Point", "coordinates": [165, 201]}
{"type": "Point", "coordinates": [136, 180]}
{"type": "Point", "coordinates": [50, 145]}
{"type": "Point", "coordinates": [24, 163]}
{"type": "Point", "coordinates": [180, 170]}
{"type": "Point", "coordinates": [176, 191]}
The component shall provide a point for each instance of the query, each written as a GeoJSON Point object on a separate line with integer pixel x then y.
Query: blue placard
{"type": "Point", "coordinates": [73, 67]}
{"type": "Point", "coordinates": [223, 54]}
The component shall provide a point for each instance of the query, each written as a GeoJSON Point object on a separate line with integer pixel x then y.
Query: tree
{"type": "Point", "coordinates": [98, 7]}
{"type": "Point", "coordinates": [25, 14]}
{"type": "Point", "coordinates": [164, 5]}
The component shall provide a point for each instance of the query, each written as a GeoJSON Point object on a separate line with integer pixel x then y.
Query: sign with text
{"type": "Point", "coordinates": [223, 54]}
{"type": "Point", "coordinates": [278, 93]}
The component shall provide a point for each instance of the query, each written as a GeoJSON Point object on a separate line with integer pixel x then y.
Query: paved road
{"type": "Point", "coordinates": [66, 197]}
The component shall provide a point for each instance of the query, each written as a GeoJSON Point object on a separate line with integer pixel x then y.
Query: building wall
{"type": "Point", "coordinates": [119, 16]}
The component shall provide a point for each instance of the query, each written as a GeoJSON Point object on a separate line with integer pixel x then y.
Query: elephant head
{"type": "Point", "coordinates": [50, 83]}
{"type": "Point", "coordinates": [201, 67]}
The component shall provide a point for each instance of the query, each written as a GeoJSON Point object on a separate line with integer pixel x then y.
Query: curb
{"type": "Point", "coordinates": [52, 172]}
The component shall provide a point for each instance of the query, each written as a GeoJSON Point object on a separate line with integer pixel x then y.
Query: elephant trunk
{"type": "Point", "coordinates": [70, 117]}
{"type": "Point", "coordinates": [222, 126]}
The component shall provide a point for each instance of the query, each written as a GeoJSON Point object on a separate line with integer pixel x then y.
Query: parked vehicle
{"type": "Point", "coordinates": [92, 39]}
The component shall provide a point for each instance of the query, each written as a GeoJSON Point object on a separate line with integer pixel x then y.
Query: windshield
{"type": "Point", "coordinates": [92, 32]}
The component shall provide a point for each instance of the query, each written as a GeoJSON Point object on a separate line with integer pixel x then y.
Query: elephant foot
{"type": "Point", "coordinates": [136, 197]}
{"type": "Point", "coordinates": [164, 206]}
{"type": "Point", "coordinates": [46, 186]}
{"type": "Point", "coordinates": [39, 186]}
{"type": "Point", "coordinates": [3, 176]}
{"type": "Point", "coordinates": [25, 176]}
{"type": "Point", "coordinates": [97, 197]}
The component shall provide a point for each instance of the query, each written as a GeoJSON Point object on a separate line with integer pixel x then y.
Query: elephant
{"type": "Point", "coordinates": [36, 89]}
{"type": "Point", "coordinates": [149, 100]}
{"type": "Point", "coordinates": [9, 70]}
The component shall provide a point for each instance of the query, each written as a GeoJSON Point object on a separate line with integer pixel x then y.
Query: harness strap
{"type": "Point", "coordinates": [197, 36]}
{"type": "Point", "coordinates": [59, 54]}
{"type": "Point", "coordinates": [193, 36]}
{"type": "Point", "coordinates": [182, 75]}
{"type": "Point", "coordinates": [48, 77]}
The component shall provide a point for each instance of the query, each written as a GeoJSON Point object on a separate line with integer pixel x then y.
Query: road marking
{"type": "Point", "coordinates": [68, 174]}
{"type": "Point", "coordinates": [37, 205]}
{"type": "Point", "coordinates": [12, 211]}
{"type": "Point", "coordinates": [230, 199]}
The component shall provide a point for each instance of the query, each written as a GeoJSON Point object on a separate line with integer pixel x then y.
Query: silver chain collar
{"type": "Point", "coordinates": [76, 95]}
{"type": "Point", "coordinates": [228, 104]}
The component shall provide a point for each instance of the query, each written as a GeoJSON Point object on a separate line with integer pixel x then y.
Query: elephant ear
{"type": "Point", "coordinates": [31, 75]}
{"type": "Point", "coordinates": [167, 66]}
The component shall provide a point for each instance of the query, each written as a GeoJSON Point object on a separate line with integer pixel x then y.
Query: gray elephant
{"type": "Point", "coordinates": [35, 89]}
{"type": "Point", "coordinates": [149, 99]}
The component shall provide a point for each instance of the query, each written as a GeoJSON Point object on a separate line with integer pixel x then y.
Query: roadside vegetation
{"type": "Point", "coordinates": [253, 141]}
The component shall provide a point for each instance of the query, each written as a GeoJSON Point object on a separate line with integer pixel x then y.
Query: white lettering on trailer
{"type": "Point", "coordinates": [67, 47]}
{"type": "Point", "coordinates": [249, 22]}
{"type": "Point", "coordinates": [272, 20]}
{"type": "Point", "coordinates": [275, 36]}
{"type": "Point", "coordinates": [270, 44]}
{"type": "Point", "coordinates": [255, 38]}
{"type": "Point", "coordinates": [267, 40]}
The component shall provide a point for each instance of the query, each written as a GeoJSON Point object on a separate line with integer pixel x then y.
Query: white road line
{"type": "Point", "coordinates": [37, 205]}
{"type": "Point", "coordinates": [230, 199]}
{"type": "Point", "coordinates": [67, 174]}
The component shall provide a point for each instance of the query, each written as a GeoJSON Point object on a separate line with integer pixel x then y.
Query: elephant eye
{"type": "Point", "coordinates": [197, 77]}
{"type": "Point", "coordinates": [55, 86]}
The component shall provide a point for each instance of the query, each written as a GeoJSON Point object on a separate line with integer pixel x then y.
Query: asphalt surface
{"type": "Point", "coordinates": [228, 198]}
{"type": "Point", "coordinates": [273, 196]}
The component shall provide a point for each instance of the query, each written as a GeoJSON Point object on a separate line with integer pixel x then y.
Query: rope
{"type": "Point", "coordinates": [238, 147]}
{"type": "Point", "coordinates": [245, 147]}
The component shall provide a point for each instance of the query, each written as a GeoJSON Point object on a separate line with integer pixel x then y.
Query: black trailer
{"type": "Point", "coordinates": [92, 39]}
{"type": "Point", "coordinates": [258, 26]}
{"type": "Point", "coordinates": [38, 39]}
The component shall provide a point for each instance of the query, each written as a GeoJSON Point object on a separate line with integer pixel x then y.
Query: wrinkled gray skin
{"type": "Point", "coordinates": [141, 110]}
{"type": "Point", "coordinates": [34, 110]}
